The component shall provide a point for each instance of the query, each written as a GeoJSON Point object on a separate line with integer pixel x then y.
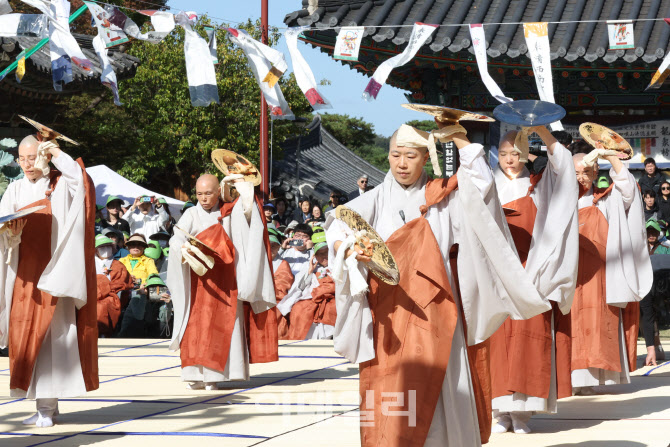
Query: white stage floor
{"type": "Point", "coordinates": [308, 398]}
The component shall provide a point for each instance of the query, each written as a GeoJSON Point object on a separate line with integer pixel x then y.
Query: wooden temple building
{"type": "Point", "coordinates": [591, 82]}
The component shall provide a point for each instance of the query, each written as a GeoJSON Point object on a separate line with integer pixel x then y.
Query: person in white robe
{"type": "Point", "coordinates": [57, 372]}
{"type": "Point", "coordinates": [628, 270]}
{"type": "Point", "coordinates": [244, 226]}
{"type": "Point", "coordinates": [551, 262]}
{"type": "Point", "coordinates": [493, 284]}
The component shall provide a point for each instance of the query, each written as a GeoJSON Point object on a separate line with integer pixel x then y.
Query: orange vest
{"type": "Point", "coordinates": [283, 278]}
{"type": "Point", "coordinates": [320, 309]}
{"type": "Point", "coordinates": [109, 305]}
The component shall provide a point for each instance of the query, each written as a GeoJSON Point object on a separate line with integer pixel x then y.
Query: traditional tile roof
{"type": "Point", "coordinates": [587, 41]}
{"type": "Point", "coordinates": [325, 164]}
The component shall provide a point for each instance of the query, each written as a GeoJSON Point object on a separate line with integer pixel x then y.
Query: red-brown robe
{"type": "Point", "coordinates": [320, 309]}
{"type": "Point", "coordinates": [521, 349]}
{"type": "Point", "coordinates": [208, 333]}
{"type": "Point", "coordinates": [595, 324]}
{"type": "Point", "coordinates": [109, 303]}
{"type": "Point", "coordinates": [32, 309]}
{"type": "Point", "coordinates": [413, 328]}
{"type": "Point", "coordinates": [283, 278]}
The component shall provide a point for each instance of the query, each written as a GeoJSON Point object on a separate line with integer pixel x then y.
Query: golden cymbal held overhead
{"type": "Point", "coordinates": [595, 133]}
{"type": "Point", "coordinates": [45, 133]}
{"type": "Point", "coordinates": [447, 114]}
{"type": "Point", "coordinates": [229, 163]}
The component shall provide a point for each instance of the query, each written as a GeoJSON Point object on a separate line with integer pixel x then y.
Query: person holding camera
{"type": "Point", "coordinates": [298, 248]}
{"type": "Point", "coordinates": [147, 221]}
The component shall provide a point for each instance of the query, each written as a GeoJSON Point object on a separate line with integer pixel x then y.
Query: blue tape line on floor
{"type": "Point", "coordinates": [170, 402]}
{"type": "Point", "coordinates": [182, 406]}
{"type": "Point", "coordinates": [12, 401]}
{"type": "Point", "coordinates": [173, 433]}
{"type": "Point", "coordinates": [134, 347]}
{"type": "Point", "coordinates": [652, 369]}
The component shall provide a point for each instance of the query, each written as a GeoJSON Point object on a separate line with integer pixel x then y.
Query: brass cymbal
{"type": "Point", "coordinates": [447, 114]}
{"type": "Point", "coordinates": [595, 133]}
{"type": "Point", "coordinates": [46, 133]}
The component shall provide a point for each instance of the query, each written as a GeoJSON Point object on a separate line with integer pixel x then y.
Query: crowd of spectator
{"type": "Point", "coordinates": [137, 237]}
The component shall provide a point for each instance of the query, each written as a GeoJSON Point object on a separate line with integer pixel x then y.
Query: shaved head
{"type": "Point", "coordinates": [585, 175]}
{"type": "Point", "coordinates": [27, 157]}
{"type": "Point", "coordinates": [508, 138]}
{"type": "Point", "coordinates": [29, 145]}
{"type": "Point", "coordinates": [208, 191]}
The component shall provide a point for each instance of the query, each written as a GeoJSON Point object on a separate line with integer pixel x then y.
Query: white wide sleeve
{"type": "Point", "coordinates": [629, 275]}
{"type": "Point", "coordinates": [493, 283]}
{"type": "Point", "coordinates": [65, 275]}
{"type": "Point", "coordinates": [255, 283]}
{"type": "Point", "coordinates": [554, 250]}
{"type": "Point", "coordinates": [179, 279]}
{"type": "Point", "coordinates": [8, 251]}
{"type": "Point", "coordinates": [353, 336]}
{"type": "Point", "coordinates": [473, 163]}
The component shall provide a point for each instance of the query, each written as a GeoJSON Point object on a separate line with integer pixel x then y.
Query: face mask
{"type": "Point", "coordinates": [105, 252]}
{"type": "Point", "coordinates": [163, 243]}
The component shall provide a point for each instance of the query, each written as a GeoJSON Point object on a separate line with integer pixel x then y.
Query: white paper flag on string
{"type": "Point", "coordinates": [211, 38]}
{"type": "Point", "coordinates": [199, 66]}
{"type": "Point", "coordinates": [420, 33]}
{"type": "Point", "coordinates": [100, 45]}
{"type": "Point", "coordinates": [303, 73]}
{"type": "Point", "coordinates": [537, 40]}
{"type": "Point", "coordinates": [63, 48]}
{"type": "Point", "coordinates": [24, 25]}
{"type": "Point", "coordinates": [348, 43]}
{"type": "Point", "coordinates": [5, 8]}
{"type": "Point", "coordinates": [479, 45]}
{"type": "Point", "coordinates": [261, 59]}
{"type": "Point", "coordinates": [621, 34]}
{"type": "Point", "coordinates": [107, 77]}
{"type": "Point", "coordinates": [163, 24]}
{"type": "Point", "coordinates": [111, 34]}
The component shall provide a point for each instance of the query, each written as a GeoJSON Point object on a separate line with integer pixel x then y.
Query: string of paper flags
{"type": "Point", "coordinates": [267, 64]}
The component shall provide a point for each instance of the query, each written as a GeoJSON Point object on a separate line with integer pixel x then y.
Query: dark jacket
{"type": "Point", "coordinates": [663, 208]}
{"type": "Point", "coordinates": [121, 225]}
{"type": "Point", "coordinates": [651, 184]}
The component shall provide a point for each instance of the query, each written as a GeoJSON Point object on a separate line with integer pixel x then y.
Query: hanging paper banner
{"type": "Point", "coordinates": [107, 77]}
{"type": "Point", "coordinates": [479, 45]}
{"type": "Point", "coordinates": [420, 33]}
{"type": "Point", "coordinates": [24, 25]}
{"type": "Point", "coordinates": [348, 43]}
{"type": "Point", "coordinates": [123, 22]}
{"type": "Point", "coordinates": [303, 73]}
{"type": "Point", "coordinates": [105, 39]}
{"type": "Point", "coordinates": [261, 59]}
{"type": "Point", "coordinates": [621, 34]}
{"type": "Point", "coordinates": [63, 48]}
{"type": "Point", "coordinates": [211, 37]}
{"type": "Point", "coordinates": [162, 21]}
{"type": "Point", "coordinates": [111, 34]}
{"type": "Point", "coordinates": [537, 41]}
{"type": "Point", "coordinates": [20, 66]}
{"type": "Point", "coordinates": [661, 74]}
{"type": "Point", "coordinates": [199, 66]}
{"type": "Point", "coordinates": [5, 8]}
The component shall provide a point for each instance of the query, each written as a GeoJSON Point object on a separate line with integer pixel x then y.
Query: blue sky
{"type": "Point", "coordinates": [346, 85]}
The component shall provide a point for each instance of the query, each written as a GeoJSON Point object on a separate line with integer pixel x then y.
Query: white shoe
{"type": "Point", "coordinates": [211, 386]}
{"type": "Point", "coordinates": [44, 421]}
{"type": "Point", "coordinates": [195, 386]}
{"type": "Point", "coordinates": [503, 425]}
{"type": "Point", "coordinates": [520, 428]}
{"type": "Point", "coordinates": [39, 420]}
{"type": "Point", "coordinates": [32, 420]}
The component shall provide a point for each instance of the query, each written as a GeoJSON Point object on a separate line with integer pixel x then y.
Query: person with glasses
{"type": "Point", "coordinates": [663, 202]}
{"type": "Point", "coordinates": [335, 201]}
{"type": "Point", "coordinates": [362, 187]}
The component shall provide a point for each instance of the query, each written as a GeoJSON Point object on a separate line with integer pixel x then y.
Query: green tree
{"type": "Point", "coordinates": [350, 131]}
{"type": "Point", "coordinates": [157, 137]}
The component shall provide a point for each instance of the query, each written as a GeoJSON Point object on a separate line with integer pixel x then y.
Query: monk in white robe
{"type": "Point", "coordinates": [221, 318]}
{"type": "Point", "coordinates": [411, 339]}
{"type": "Point", "coordinates": [614, 275]}
{"type": "Point", "coordinates": [48, 291]}
{"type": "Point", "coordinates": [530, 359]}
